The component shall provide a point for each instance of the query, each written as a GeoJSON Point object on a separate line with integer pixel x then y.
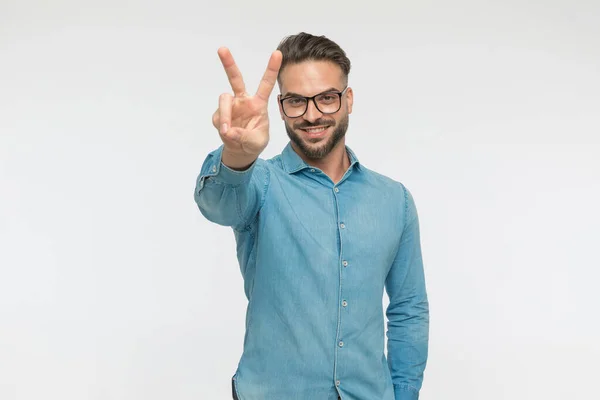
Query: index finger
{"type": "Point", "coordinates": [233, 73]}
{"type": "Point", "coordinates": [268, 80]}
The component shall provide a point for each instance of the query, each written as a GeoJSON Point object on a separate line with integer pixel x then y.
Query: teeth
{"type": "Point", "coordinates": [314, 130]}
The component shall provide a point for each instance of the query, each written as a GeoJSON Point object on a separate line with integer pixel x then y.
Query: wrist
{"type": "Point", "coordinates": [237, 161]}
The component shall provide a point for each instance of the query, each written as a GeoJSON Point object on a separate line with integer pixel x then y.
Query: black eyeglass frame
{"type": "Point", "coordinates": [308, 99]}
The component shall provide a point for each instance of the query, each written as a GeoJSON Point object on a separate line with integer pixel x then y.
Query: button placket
{"type": "Point", "coordinates": [342, 303]}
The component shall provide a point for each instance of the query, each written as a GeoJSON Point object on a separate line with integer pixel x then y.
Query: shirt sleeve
{"type": "Point", "coordinates": [408, 310]}
{"type": "Point", "coordinates": [228, 197]}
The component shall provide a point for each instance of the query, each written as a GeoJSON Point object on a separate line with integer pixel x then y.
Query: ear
{"type": "Point", "coordinates": [281, 114]}
{"type": "Point", "coordinates": [349, 99]}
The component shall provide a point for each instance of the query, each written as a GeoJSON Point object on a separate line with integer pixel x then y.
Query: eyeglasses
{"type": "Point", "coordinates": [327, 103]}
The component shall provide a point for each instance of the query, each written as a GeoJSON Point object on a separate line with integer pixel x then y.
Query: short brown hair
{"type": "Point", "coordinates": [306, 47]}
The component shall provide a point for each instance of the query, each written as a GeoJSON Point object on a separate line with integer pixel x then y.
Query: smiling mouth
{"type": "Point", "coordinates": [315, 130]}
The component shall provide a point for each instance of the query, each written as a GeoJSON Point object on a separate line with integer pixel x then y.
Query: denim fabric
{"type": "Point", "coordinates": [315, 259]}
{"type": "Point", "coordinates": [233, 393]}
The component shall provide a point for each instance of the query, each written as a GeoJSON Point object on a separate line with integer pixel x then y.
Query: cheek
{"type": "Point", "coordinates": [336, 121]}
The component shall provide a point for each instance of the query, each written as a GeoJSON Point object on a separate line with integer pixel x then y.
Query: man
{"type": "Point", "coordinates": [319, 236]}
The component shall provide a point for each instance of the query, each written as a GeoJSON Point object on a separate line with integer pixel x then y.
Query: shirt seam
{"type": "Point", "coordinates": [406, 210]}
{"type": "Point", "coordinates": [247, 225]}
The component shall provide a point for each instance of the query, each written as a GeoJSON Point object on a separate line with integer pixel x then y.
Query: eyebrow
{"type": "Point", "coordinates": [292, 94]}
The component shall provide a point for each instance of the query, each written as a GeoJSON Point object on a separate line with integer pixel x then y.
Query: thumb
{"type": "Point", "coordinates": [250, 141]}
{"type": "Point", "coordinates": [234, 134]}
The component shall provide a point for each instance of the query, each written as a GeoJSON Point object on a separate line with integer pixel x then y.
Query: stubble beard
{"type": "Point", "coordinates": [323, 149]}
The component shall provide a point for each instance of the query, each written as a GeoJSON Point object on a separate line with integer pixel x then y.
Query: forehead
{"type": "Point", "coordinates": [311, 77]}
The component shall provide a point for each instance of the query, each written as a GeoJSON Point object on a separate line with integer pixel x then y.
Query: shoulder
{"type": "Point", "coordinates": [275, 161]}
{"type": "Point", "coordinates": [392, 189]}
{"type": "Point", "coordinates": [384, 182]}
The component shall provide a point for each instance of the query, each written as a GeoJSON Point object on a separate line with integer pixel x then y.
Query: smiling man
{"type": "Point", "coordinates": [319, 237]}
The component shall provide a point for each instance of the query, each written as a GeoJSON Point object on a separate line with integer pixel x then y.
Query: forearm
{"type": "Point", "coordinates": [408, 311]}
{"type": "Point", "coordinates": [408, 337]}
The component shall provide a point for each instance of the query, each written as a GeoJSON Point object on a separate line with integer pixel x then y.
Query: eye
{"type": "Point", "coordinates": [327, 98]}
{"type": "Point", "coordinates": [295, 101]}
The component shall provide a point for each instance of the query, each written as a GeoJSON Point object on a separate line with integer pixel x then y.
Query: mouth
{"type": "Point", "coordinates": [316, 131]}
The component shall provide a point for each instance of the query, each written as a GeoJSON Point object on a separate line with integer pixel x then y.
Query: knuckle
{"type": "Point", "coordinates": [215, 119]}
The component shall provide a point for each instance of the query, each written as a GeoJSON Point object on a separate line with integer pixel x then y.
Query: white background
{"type": "Point", "coordinates": [113, 285]}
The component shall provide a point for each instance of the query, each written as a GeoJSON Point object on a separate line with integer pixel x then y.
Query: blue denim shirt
{"type": "Point", "coordinates": [315, 258]}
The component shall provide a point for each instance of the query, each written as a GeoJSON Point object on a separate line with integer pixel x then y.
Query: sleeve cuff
{"type": "Point", "coordinates": [231, 176]}
{"type": "Point", "coordinates": [405, 392]}
{"type": "Point", "coordinates": [219, 172]}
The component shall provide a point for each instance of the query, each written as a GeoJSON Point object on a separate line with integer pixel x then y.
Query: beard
{"type": "Point", "coordinates": [325, 145]}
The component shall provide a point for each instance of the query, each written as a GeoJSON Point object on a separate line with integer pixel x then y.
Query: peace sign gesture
{"type": "Point", "coordinates": [242, 120]}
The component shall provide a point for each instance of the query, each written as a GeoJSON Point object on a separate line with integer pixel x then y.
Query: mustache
{"type": "Point", "coordinates": [319, 122]}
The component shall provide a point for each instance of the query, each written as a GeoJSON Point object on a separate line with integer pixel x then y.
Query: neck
{"type": "Point", "coordinates": [334, 165]}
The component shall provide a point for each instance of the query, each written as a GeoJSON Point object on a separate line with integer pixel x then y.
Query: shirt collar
{"type": "Point", "coordinates": [292, 162]}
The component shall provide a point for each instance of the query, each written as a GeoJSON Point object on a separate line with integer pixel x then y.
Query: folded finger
{"type": "Point", "coordinates": [225, 107]}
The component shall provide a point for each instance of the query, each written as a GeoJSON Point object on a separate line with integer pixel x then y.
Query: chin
{"type": "Point", "coordinates": [317, 145]}
{"type": "Point", "coordinates": [315, 141]}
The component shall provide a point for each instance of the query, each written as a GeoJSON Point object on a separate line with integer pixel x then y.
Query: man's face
{"type": "Point", "coordinates": [311, 78]}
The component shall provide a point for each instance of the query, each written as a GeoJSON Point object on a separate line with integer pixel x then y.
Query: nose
{"type": "Point", "coordinates": [312, 113]}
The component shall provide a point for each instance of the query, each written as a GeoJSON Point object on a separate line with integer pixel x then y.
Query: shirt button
{"type": "Point", "coordinates": [341, 344]}
{"type": "Point", "coordinates": [342, 226]}
{"type": "Point", "coordinates": [312, 170]}
{"type": "Point", "coordinates": [336, 190]}
{"type": "Point", "coordinates": [337, 383]}
{"type": "Point", "coordinates": [214, 169]}
{"type": "Point", "coordinates": [345, 263]}
{"type": "Point", "coordinates": [344, 303]}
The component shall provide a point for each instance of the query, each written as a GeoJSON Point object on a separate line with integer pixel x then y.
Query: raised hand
{"type": "Point", "coordinates": [241, 119]}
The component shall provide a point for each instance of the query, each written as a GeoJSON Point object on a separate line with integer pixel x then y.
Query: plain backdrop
{"type": "Point", "coordinates": [114, 287]}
